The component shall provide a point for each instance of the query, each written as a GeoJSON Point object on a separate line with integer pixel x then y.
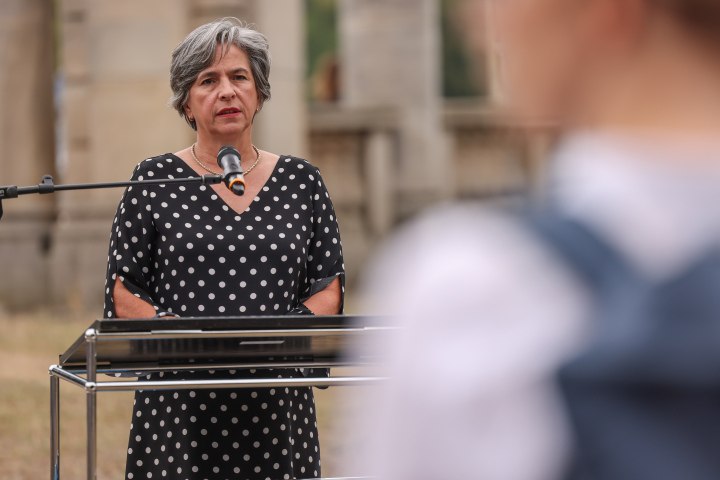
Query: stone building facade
{"type": "Point", "coordinates": [387, 149]}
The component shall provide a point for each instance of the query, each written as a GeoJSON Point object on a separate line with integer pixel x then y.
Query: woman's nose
{"type": "Point", "coordinates": [226, 91]}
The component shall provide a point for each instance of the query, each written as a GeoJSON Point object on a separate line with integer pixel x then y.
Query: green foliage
{"type": "Point", "coordinates": [321, 30]}
{"type": "Point", "coordinates": [458, 74]}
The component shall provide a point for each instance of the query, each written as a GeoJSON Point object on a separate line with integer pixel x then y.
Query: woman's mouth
{"type": "Point", "coordinates": [228, 112]}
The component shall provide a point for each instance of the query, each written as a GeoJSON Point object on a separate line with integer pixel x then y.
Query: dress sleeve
{"type": "Point", "coordinates": [132, 243]}
{"type": "Point", "coordinates": [325, 257]}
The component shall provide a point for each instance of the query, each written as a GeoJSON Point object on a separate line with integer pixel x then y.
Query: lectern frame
{"type": "Point", "coordinates": [138, 347]}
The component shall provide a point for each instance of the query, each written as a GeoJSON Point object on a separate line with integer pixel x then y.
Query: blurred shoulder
{"type": "Point", "coordinates": [464, 253]}
{"type": "Point", "coordinates": [470, 229]}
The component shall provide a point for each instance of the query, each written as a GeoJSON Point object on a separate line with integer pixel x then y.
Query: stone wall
{"type": "Point", "coordinates": [358, 152]}
{"type": "Point", "coordinates": [493, 158]}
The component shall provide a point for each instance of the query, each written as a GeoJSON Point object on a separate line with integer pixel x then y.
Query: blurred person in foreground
{"type": "Point", "coordinates": [196, 251]}
{"type": "Point", "coordinates": [583, 341]}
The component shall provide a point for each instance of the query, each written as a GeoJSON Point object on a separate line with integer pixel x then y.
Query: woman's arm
{"type": "Point", "coordinates": [326, 301]}
{"type": "Point", "coordinates": [325, 258]}
{"type": "Point", "coordinates": [126, 283]}
{"type": "Point", "coordinates": [128, 305]}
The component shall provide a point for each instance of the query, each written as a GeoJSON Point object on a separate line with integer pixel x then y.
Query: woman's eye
{"type": "Point", "coordinates": [240, 77]}
{"type": "Point", "coordinates": [207, 81]}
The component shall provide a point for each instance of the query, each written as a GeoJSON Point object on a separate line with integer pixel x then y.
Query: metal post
{"type": "Point", "coordinates": [54, 426]}
{"type": "Point", "coordinates": [91, 338]}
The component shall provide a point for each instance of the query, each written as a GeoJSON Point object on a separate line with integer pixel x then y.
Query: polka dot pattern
{"type": "Point", "coordinates": [186, 252]}
{"type": "Point", "coordinates": [224, 433]}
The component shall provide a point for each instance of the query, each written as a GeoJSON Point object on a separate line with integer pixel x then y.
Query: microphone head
{"type": "Point", "coordinates": [227, 150]}
{"type": "Point", "coordinates": [229, 160]}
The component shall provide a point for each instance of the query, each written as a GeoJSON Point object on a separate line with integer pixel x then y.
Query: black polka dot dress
{"type": "Point", "coordinates": [186, 252]}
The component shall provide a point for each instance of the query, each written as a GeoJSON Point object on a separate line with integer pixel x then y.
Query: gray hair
{"type": "Point", "coordinates": [197, 52]}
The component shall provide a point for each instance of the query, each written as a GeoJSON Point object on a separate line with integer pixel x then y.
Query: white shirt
{"type": "Point", "coordinates": [490, 313]}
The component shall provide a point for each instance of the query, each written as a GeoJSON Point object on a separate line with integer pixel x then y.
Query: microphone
{"type": "Point", "coordinates": [229, 160]}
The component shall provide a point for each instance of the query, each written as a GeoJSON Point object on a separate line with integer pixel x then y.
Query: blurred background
{"type": "Point", "coordinates": [394, 100]}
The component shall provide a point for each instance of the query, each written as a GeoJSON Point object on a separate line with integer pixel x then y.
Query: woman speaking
{"type": "Point", "coordinates": [204, 251]}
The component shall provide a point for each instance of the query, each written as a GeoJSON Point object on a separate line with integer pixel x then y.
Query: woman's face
{"type": "Point", "coordinates": [223, 99]}
{"type": "Point", "coordinates": [541, 48]}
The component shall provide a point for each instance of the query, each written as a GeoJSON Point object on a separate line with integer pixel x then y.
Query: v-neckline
{"type": "Point", "coordinates": [221, 199]}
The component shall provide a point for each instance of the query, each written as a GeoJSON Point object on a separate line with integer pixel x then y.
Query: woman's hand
{"type": "Point", "coordinates": [128, 305]}
{"type": "Point", "coordinates": [327, 301]}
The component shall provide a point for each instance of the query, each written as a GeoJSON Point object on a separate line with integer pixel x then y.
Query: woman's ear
{"type": "Point", "coordinates": [188, 112]}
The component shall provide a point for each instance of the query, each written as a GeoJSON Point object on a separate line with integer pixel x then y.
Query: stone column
{"type": "Point", "coordinates": [390, 56]}
{"type": "Point", "coordinates": [205, 11]}
{"type": "Point", "coordinates": [281, 126]}
{"type": "Point", "coordinates": [26, 148]}
{"type": "Point", "coordinates": [116, 63]}
{"type": "Point", "coordinates": [379, 177]}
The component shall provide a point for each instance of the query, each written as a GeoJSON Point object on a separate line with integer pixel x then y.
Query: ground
{"type": "Point", "coordinates": [30, 343]}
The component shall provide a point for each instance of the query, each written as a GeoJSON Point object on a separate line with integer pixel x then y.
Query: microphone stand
{"type": "Point", "coordinates": [47, 186]}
